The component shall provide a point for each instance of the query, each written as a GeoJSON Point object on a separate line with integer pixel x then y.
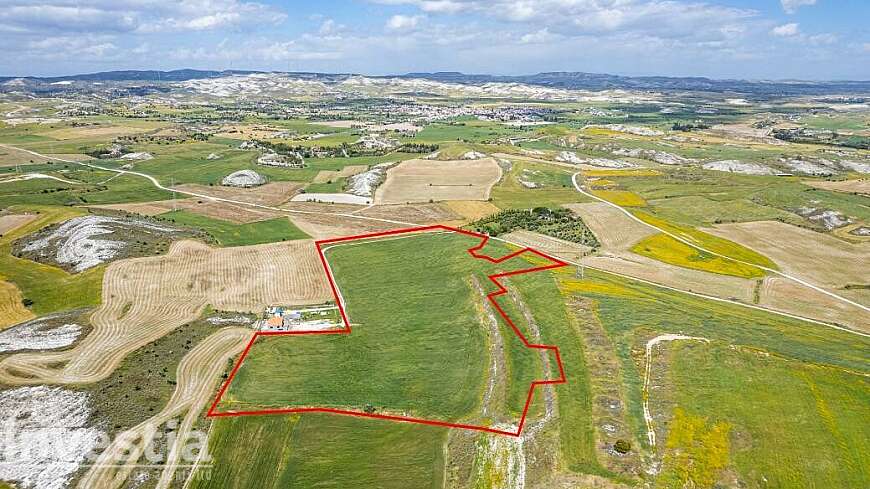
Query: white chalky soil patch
{"type": "Point", "coordinates": [78, 244]}
{"type": "Point", "coordinates": [43, 435]}
{"type": "Point", "coordinates": [35, 335]}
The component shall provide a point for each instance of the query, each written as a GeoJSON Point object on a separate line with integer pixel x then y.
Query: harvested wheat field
{"type": "Point", "coordinates": [12, 311]}
{"type": "Point", "coordinates": [10, 156]}
{"type": "Point", "coordinates": [235, 213]}
{"type": "Point", "coordinates": [9, 222]}
{"type": "Point", "coordinates": [614, 230]}
{"type": "Point", "coordinates": [559, 248]}
{"type": "Point", "coordinates": [320, 226]}
{"type": "Point", "coordinates": [327, 175]}
{"type": "Point", "coordinates": [73, 156]}
{"type": "Point", "coordinates": [197, 377]}
{"type": "Point", "coordinates": [789, 296]}
{"type": "Point", "coordinates": [472, 210]}
{"type": "Point", "coordinates": [144, 298]}
{"type": "Point", "coordinates": [819, 258]}
{"type": "Point", "coordinates": [101, 131]}
{"type": "Point", "coordinates": [431, 180]}
{"type": "Point", "coordinates": [412, 214]}
{"type": "Point", "coordinates": [860, 186]}
{"type": "Point", "coordinates": [273, 193]}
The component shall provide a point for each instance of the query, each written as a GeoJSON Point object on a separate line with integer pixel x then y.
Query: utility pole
{"type": "Point", "coordinates": [172, 186]}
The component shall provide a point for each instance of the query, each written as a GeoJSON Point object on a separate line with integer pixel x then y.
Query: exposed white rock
{"type": "Point", "coordinates": [213, 156]}
{"type": "Point", "coordinates": [737, 166]}
{"type": "Point", "coordinates": [44, 435]}
{"type": "Point", "coordinates": [855, 166]}
{"type": "Point", "coordinates": [244, 178]}
{"type": "Point", "coordinates": [569, 157]}
{"type": "Point", "coordinates": [137, 156]}
{"type": "Point", "coordinates": [77, 244]}
{"type": "Point", "coordinates": [820, 168]}
{"type": "Point", "coordinates": [473, 155]}
{"type": "Point", "coordinates": [636, 130]}
{"type": "Point", "coordinates": [34, 335]}
{"type": "Point", "coordinates": [364, 184]}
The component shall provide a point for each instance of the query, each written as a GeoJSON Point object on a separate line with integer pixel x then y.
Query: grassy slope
{"type": "Point", "coordinates": [50, 288]}
{"type": "Point", "coordinates": [417, 345]}
{"type": "Point", "coordinates": [792, 425]}
{"type": "Point", "coordinates": [632, 312]}
{"type": "Point", "coordinates": [557, 188]}
{"type": "Point", "coordinates": [230, 234]}
{"type": "Point", "coordinates": [577, 438]}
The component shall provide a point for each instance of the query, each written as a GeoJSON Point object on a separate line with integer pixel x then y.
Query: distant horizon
{"type": "Point", "coordinates": [433, 72]}
{"type": "Point", "coordinates": [809, 40]}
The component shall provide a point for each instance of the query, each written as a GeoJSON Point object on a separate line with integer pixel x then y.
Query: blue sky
{"type": "Point", "coordinates": [762, 39]}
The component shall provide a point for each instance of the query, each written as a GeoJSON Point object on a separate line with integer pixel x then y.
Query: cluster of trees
{"type": "Point", "coordinates": [418, 148]}
{"type": "Point", "coordinates": [558, 223]}
{"type": "Point", "coordinates": [689, 126]}
{"type": "Point", "coordinates": [805, 136]}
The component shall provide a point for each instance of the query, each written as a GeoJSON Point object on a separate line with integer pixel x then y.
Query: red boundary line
{"type": "Point", "coordinates": [501, 290]}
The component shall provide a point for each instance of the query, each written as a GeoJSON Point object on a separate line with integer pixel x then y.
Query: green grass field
{"type": "Point", "coordinates": [791, 424]}
{"type": "Point", "coordinates": [322, 451]}
{"type": "Point", "coordinates": [50, 288]}
{"type": "Point", "coordinates": [419, 348]}
{"type": "Point", "coordinates": [555, 188]}
{"type": "Point", "coordinates": [632, 312]}
{"type": "Point", "coordinates": [230, 234]}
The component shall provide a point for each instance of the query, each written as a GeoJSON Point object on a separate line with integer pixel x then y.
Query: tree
{"type": "Point", "coordinates": [622, 446]}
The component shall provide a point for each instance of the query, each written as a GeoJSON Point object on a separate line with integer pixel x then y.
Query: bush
{"type": "Point", "coordinates": [622, 446]}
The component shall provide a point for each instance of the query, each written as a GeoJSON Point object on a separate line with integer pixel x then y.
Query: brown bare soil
{"type": "Point", "coordinates": [415, 214]}
{"type": "Point", "coordinates": [74, 156]}
{"type": "Point", "coordinates": [430, 180]}
{"type": "Point", "coordinates": [273, 193]}
{"type": "Point", "coordinates": [860, 186]}
{"type": "Point", "coordinates": [614, 230]}
{"type": "Point", "coordinates": [325, 226]}
{"type": "Point", "coordinates": [8, 222]}
{"type": "Point", "coordinates": [11, 157]}
{"type": "Point", "coordinates": [818, 258]}
{"type": "Point", "coordinates": [786, 295]}
{"type": "Point", "coordinates": [247, 131]}
{"type": "Point", "coordinates": [144, 298]}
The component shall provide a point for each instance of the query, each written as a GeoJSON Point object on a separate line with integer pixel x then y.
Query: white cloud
{"type": "Point", "coordinates": [791, 6]}
{"type": "Point", "coordinates": [660, 18]}
{"type": "Point", "coordinates": [786, 30]}
{"type": "Point", "coordinates": [107, 16]}
{"type": "Point", "coordinates": [403, 22]}
{"type": "Point", "coordinates": [541, 36]}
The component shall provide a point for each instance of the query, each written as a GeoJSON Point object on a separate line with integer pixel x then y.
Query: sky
{"type": "Point", "coordinates": [759, 39]}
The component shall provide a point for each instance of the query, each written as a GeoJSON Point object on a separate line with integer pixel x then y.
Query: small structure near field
{"type": "Point", "coordinates": [311, 318]}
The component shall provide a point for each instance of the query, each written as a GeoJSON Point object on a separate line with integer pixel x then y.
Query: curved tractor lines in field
{"type": "Point", "coordinates": [146, 298]}
{"type": "Point", "coordinates": [197, 377]}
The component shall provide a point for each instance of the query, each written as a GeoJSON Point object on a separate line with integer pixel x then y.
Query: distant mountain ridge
{"type": "Point", "coordinates": [565, 80]}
